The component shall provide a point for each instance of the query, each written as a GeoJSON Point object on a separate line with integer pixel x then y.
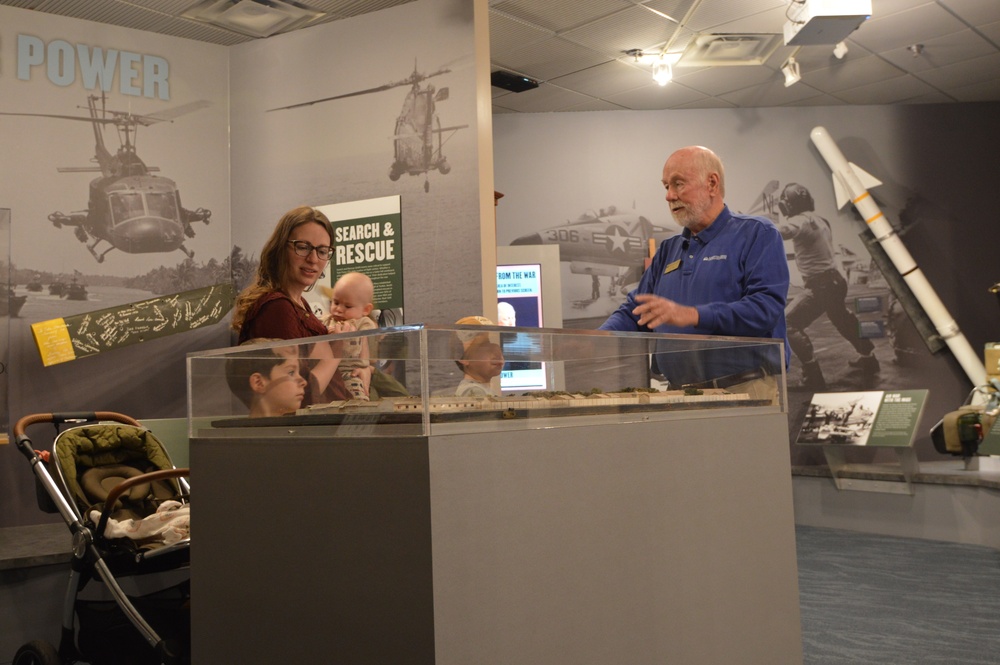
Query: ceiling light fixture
{"type": "Point", "coordinates": [840, 50]}
{"type": "Point", "coordinates": [663, 64]}
{"type": "Point", "coordinates": [791, 71]}
{"type": "Point", "coordinates": [662, 71]}
{"type": "Point", "coordinates": [256, 18]}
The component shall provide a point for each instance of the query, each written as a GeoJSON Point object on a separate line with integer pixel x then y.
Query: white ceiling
{"type": "Point", "coordinates": [575, 48]}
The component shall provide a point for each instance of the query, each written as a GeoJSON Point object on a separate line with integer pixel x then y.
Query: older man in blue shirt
{"type": "Point", "coordinates": [724, 274]}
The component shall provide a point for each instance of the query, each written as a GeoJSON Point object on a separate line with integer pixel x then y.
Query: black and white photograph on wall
{"type": "Point", "coordinates": [823, 301]}
{"type": "Point", "coordinates": [116, 146]}
{"type": "Point", "coordinates": [602, 250]}
{"type": "Point", "coordinates": [119, 180]}
{"type": "Point", "coordinates": [398, 121]}
{"type": "Point", "coordinates": [849, 327]}
{"type": "Point", "coordinates": [419, 138]}
{"type": "Point", "coordinates": [840, 418]}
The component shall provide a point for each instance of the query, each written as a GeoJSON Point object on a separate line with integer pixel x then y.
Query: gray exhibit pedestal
{"type": "Point", "coordinates": [650, 542]}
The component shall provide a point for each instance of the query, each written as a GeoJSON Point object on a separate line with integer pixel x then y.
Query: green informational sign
{"type": "Point", "coordinates": [81, 335]}
{"type": "Point", "coordinates": [372, 246]}
{"type": "Point", "coordinates": [368, 238]}
{"type": "Point", "coordinates": [871, 418]}
{"type": "Point", "coordinates": [897, 418]}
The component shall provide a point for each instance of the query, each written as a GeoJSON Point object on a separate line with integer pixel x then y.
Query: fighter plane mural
{"type": "Point", "coordinates": [609, 242]}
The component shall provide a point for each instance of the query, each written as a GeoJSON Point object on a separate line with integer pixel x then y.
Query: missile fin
{"type": "Point", "coordinates": [867, 179]}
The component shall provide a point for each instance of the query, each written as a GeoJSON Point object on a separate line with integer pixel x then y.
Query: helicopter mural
{"type": "Point", "coordinates": [128, 208]}
{"type": "Point", "coordinates": [609, 242]}
{"type": "Point", "coordinates": [419, 138]}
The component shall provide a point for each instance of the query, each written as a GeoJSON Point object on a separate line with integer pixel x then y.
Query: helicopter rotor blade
{"type": "Point", "coordinates": [103, 121]}
{"type": "Point", "coordinates": [454, 128]}
{"type": "Point", "coordinates": [168, 115]}
{"type": "Point", "coordinates": [328, 99]}
{"type": "Point", "coordinates": [415, 77]}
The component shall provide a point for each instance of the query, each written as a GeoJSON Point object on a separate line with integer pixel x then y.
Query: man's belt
{"type": "Point", "coordinates": [724, 382]}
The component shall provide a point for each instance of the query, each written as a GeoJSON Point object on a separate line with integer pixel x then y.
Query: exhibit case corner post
{"type": "Point", "coordinates": [428, 377]}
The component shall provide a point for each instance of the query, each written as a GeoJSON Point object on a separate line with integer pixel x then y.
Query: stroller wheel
{"type": "Point", "coordinates": [36, 652]}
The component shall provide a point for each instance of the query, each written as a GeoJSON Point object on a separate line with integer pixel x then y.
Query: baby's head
{"type": "Point", "coordinates": [351, 297]}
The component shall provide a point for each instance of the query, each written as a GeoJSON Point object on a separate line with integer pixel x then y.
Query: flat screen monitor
{"type": "Point", "coordinates": [519, 303]}
{"type": "Point", "coordinates": [529, 295]}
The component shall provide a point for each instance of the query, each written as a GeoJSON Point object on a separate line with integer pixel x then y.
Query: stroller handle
{"type": "Point", "coordinates": [70, 416]}
{"type": "Point", "coordinates": [128, 483]}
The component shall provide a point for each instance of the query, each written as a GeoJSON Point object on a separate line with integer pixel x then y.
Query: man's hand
{"type": "Point", "coordinates": [655, 311]}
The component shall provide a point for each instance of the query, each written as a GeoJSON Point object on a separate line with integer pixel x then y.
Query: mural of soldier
{"type": "Point", "coordinates": [824, 286]}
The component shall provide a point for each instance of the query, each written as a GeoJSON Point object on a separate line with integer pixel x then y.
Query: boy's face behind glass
{"type": "Point", "coordinates": [285, 387]}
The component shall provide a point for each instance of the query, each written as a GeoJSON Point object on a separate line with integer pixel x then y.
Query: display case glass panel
{"type": "Point", "coordinates": [446, 379]}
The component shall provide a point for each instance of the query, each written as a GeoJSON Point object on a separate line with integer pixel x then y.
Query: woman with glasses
{"type": "Point", "coordinates": [273, 307]}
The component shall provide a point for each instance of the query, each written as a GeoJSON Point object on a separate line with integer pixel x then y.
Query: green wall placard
{"type": "Point", "coordinates": [368, 238]}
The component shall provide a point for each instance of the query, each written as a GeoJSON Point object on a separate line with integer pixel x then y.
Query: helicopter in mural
{"type": "Point", "coordinates": [129, 208]}
{"type": "Point", "coordinates": [419, 138]}
{"type": "Point", "coordinates": [609, 242]}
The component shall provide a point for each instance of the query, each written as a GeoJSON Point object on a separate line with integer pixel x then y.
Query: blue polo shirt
{"type": "Point", "coordinates": [736, 275]}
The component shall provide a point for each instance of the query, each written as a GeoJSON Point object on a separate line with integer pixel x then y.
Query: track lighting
{"type": "Point", "coordinates": [791, 71]}
{"type": "Point", "coordinates": [662, 71]}
{"type": "Point", "coordinates": [663, 63]}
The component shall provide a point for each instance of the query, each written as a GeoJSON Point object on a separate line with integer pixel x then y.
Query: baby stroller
{"type": "Point", "coordinates": [126, 506]}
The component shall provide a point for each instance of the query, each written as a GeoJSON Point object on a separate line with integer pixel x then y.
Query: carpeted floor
{"type": "Point", "coordinates": [875, 600]}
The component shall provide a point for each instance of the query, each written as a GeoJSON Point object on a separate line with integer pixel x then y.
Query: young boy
{"type": "Point", "coordinates": [350, 304]}
{"type": "Point", "coordinates": [482, 359]}
{"type": "Point", "coordinates": [268, 382]}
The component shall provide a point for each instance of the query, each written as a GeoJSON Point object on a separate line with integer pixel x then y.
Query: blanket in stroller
{"type": "Point", "coordinates": [171, 522]}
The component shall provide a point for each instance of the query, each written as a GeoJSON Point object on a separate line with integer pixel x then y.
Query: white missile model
{"type": "Point", "coordinates": [851, 183]}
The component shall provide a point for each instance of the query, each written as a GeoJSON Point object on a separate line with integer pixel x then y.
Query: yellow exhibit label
{"type": "Point", "coordinates": [53, 341]}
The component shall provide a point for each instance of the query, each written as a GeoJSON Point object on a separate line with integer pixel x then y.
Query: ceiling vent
{"type": "Point", "coordinates": [256, 18]}
{"type": "Point", "coordinates": [710, 50]}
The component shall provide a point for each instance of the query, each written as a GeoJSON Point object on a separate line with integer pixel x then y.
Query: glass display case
{"type": "Point", "coordinates": [430, 379]}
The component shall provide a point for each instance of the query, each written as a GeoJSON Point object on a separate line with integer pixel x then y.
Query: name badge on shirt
{"type": "Point", "coordinates": [672, 266]}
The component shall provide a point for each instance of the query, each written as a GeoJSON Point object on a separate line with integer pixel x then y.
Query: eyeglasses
{"type": "Point", "coordinates": [303, 249]}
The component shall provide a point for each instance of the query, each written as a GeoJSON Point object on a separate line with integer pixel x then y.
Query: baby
{"type": "Point", "coordinates": [350, 304]}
